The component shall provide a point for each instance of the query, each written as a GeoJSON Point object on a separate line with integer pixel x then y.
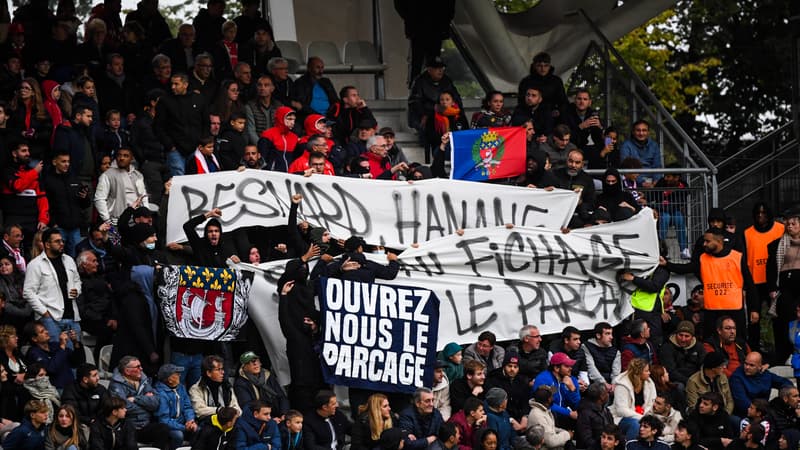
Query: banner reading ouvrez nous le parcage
{"type": "Point", "coordinates": [376, 336]}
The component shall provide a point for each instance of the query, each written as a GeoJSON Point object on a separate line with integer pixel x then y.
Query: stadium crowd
{"type": "Point", "coordinates": [91, 134]}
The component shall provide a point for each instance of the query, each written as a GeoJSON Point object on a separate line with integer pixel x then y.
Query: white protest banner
{"type": "Point", "coordinates": [378, 337]}
{"type": "Point", "coordinates": [391, 213]}
{"type": "Point", "coordinates": [569, 279]}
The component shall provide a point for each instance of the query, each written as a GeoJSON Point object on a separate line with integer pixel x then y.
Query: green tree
{"type": "Point", "coordinates": [718, 58]}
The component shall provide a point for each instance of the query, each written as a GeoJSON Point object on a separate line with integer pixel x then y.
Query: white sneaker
{"type": "Point", "coordinates": [685, 254]}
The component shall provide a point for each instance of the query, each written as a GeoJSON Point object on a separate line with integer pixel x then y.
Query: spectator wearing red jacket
{"type": "Point", "coordinates": [278, 143]}
{"type": "Point", "coordinates": [377, 155]}
{"type": "Point", "coordinates": [23, 200]}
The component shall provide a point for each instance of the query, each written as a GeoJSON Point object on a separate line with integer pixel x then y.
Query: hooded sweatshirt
{"type": "Point", "coordinates": [278, 143]}
{"type": "Point", "coordinates": [613, 195]}
{"type": "Point", "coordinates": [51, 105]}
{"type": "Point", "coordinates": [311, 127]}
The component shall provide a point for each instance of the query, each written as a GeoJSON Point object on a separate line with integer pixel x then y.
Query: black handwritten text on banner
{"type": "Point", "coordinates": [391, 213]}
{"type": "Point", "coordinates": [378, 337]}
{"type": "Point", "coordinates": [570, 279]}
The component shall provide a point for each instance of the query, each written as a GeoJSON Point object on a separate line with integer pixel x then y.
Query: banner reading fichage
{"type": "Point", "coordinates": [378, 337]}
{"type": "Point", "coordinates": [205, 303]}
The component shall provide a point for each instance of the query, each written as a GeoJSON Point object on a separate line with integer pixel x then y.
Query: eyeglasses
{"type": "Point", "coordinates": [537, 336]}
{"type": "Point", "coordinates": [134, 367]}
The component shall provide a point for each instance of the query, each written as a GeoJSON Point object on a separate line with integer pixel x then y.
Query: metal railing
{"type": "Point", "coordinates": [768, 169]}
{"type": "Point", "coordinates": [625, 98]}
{"type": "Point", "coordinates": [683, 211]}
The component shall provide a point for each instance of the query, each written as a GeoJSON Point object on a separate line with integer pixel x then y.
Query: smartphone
{"type": "Point", "coordinates": [608, 141]}
{"type": "Point", "coordinates": [33, 163]}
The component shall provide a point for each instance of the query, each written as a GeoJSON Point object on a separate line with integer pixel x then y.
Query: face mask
{"type": "Point", "coordinates": [150, 245]}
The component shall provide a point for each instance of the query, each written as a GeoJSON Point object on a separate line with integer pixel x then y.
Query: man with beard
{"type": "Point", "coordinates": [52, 284]}
{"type": "Point", "coordinates": [536, 176]}
{"type": "Point", "coordinates": [24, 202]}
{"type": "Point", "coordinates": [725, 276]}
{"type": "Point", "coordinates": [575, 179]}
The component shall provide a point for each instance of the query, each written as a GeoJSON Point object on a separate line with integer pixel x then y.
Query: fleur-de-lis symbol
{"type": "Point", "coordinates": [225, 276]}
{"type": "Point", "coordinates": [198, 283]}
{"type": "Point", "coordinates": [189, 271]}
{"type": "Point", "coordinates": [207, 274]}
{"type": "Point", "coordinates": [215, 285]}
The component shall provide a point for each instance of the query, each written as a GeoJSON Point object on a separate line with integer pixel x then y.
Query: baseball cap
{"type": "Point", "coordinates": [561, 358]}
{"type": "Point", "coordinates": [247, 357]}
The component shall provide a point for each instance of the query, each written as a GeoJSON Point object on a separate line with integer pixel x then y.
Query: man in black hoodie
{"type": "Point", "coordinates": [543, 78]}
{"type": "Point", "coordinates": [85, 393]}
{"type": "Point", "coordinates": [536, 176]}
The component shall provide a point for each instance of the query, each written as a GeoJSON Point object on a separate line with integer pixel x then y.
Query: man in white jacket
{"type": "Point", "coordinates": [119, 187]}
{"type": "Point", "coordinates": [52, 284]}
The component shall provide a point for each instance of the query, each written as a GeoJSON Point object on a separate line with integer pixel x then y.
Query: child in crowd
{"type": "Point", "coordinates": [451, 356]}
{"type": "Point", "coordinates": [114, 137]}
{"type": "Point", "coordinates": [218, 434]}
{"type": "Point", "coordinates": [292, 431]}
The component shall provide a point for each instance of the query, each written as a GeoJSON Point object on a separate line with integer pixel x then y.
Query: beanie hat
{"type": "Point", "coordinates": [451, 349]}
{"type": "Point", "coordinates": [495, 397]}
{"type": "Point", "coordinates": [685, 326]}
{"type": "Point", "coordinates": [511, 357]}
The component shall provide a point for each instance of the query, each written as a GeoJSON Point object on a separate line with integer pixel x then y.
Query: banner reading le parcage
{"type": "Point", "coordinates": [378, 337]}
{"type": "Point", "coordinates": [500, 279]}
{"type": "Point", "coordinates": [391, 213]}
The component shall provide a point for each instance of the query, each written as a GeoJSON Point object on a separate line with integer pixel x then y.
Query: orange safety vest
{"type": "Point", "coordinates": [722, 280]}
{"type": "Point", "coordinates": [757, 255]}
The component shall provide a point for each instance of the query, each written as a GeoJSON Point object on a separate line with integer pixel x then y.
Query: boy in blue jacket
{"type": "Point", "coordinates": [30, 434]}
{"type": "Point", "coordinates": [256, 430]}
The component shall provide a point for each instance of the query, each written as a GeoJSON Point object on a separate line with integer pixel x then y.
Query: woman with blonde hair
{"type": "Point", "coordinates": [374, 417]}
{"type": "Point", "coordinates": [634, 394]}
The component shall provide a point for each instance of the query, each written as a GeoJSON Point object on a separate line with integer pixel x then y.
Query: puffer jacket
{"type": "Point", "coordinates": [143, 406]}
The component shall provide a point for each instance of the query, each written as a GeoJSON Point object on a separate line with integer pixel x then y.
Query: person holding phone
{"type": "Point", "coordinates": [23, 200]}
{"type": "Point", "coordinates": [68, 198]}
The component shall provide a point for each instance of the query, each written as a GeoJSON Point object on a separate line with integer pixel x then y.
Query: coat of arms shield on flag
{"type": "Point", "coordinates": [205, 303]}
{"type": "Point", "coordinates": [487, 153]}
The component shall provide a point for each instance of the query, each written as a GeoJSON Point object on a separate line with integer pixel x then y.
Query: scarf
{"type": "Point", "coordinates": [233, 52]}
{"type": "Point", "coordinates": [260, 382]}
{"type": "Point", "coordinates": [441, 120]}
{"type": "Point", "coordinates": [202, 163]}
{"type": "Point", "coordinates": [41, 389]}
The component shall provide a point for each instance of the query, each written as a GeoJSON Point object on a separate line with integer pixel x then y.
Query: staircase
{"type": "Point", "coordinates": [768, 169]}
